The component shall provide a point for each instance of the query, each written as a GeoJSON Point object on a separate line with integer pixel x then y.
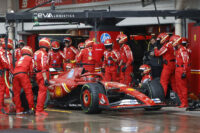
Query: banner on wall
{"type": "Point", "coordinates": [24, 4]}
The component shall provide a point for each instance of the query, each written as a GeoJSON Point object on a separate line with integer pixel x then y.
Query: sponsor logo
{"type": "Point", "coordinates": [54, 15]}
{"type": "Point", "coordinates": [104, 37]}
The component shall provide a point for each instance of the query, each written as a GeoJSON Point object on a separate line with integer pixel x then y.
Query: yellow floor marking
{"type": "Point", "coordinates": [56, 110]}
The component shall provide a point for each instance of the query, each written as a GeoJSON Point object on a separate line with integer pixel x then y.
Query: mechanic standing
{"type": "Point", "coordinates": [81, 46]}
{"type": "Point", "coordinates": [21, 80]}
{"type": "Point", "coordinates": [18, 53]}
{"type": "Point", "coordinates": [167, 52]}
{"type": "Point", "coordinates": [126, 60]}
{"type": "Point", "coordinates": [86, 56]}
{"type": "Point", "coordinates": [182, 60]}
{"type": "Point", "coordinates": [41, 66]}
{"type": "Point", "coordinates": [185, 43]}
{"type": "Point", "coordinates": [98, 49]}
{"type": "Point", "coordinates": [70, 52]}
{"type": "Point", "coordinates": [110, 61]}
{"type": "Point", "coordinates": [56, 57]}
{"type": "Point", "coordinates": [5, 64]}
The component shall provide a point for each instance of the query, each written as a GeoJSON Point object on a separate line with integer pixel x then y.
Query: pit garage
{"type": "Point", "coordinates": [82, 102]}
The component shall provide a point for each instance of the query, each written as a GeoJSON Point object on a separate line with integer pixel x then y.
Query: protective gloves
{"type": "Point", "coordinates": [183, 75]}
{"type": "Point", "coordinates": [124, 69]}
{"type": "Point", "coordinates": [46, 83]}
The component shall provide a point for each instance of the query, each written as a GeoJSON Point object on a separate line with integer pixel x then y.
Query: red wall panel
{"type": "Point", "coordinates": [195, 60]}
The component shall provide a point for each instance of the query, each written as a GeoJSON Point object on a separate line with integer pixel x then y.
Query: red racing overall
{"type": "Point", "coordinates": [21, 80]}
{"type": "Point", "coordinates": [167, 52]}
{"type": "Point", "coordinates": [182, 59]}
{"type": "Point", "coordinates": [70, 55]}
{"type": "Point", "coordinates": [41, 65]}
{"type": "Point", "coordinates": [56, 59]}
{"type": "Point", "coordinates": [3, 65]}
{"type": "Point", "coordinates": [86, 57]}
{"type": "Point", "coordinates": [18, 54]}
{"type": "Point", "coordinates": [110, 65]}
{"type": "Point", "coordinates": [126, 59]}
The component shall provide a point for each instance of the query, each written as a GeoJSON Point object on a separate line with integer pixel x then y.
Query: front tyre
{"type": "Point", "coordinates": [154, 90]}
{"type": "Point", "coordinates": [89, 98]}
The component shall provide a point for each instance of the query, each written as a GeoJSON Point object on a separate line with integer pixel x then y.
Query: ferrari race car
{"type": "Point", "coordinates": [90, 91]}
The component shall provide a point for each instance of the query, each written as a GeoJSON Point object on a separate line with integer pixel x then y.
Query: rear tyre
{"type": "Point", "coordinates": [89, 98]}
{"type": "Point", "coordinates": [154, 90]}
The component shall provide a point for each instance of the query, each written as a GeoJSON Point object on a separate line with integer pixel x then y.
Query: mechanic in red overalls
{"type": "Point", "coordinates": [126, 60]}
{"type": "Point", "coordinates": [98, 49]}
{"type": "Point", "coordinates": [81, 46]}
{"type": "Point", "coordinates": [18, 53]}
{"type": "Point", "coordinates": [167, 52]}
{"type": "Point", "coordinates": [145, 73]}
{"type": "Point", "coordinates": [56, 57]}
{"type": "Point", "coordinates": [110, 61]}
{"type": "Point", "coordinates": [5, 64]}
{"type": "Point", "coordinates": [70, 52]}
{"type": "Point", "coordinates": [185, 43]}
{"type": "Point", "coordinates": [182, 60]}
{"type": "Point", "coordinates": [86, 56]}
{"type": "Point", "coordinates": [41, 65]}
{"type": "Point", "coordinates": [21, 79]}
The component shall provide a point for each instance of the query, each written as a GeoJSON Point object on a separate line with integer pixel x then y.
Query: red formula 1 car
{"type": "Point", "coordinates": [93, 93]}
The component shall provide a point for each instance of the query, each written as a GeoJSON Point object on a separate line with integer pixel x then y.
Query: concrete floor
{"type": "Point", "coordinates": [167, 120]}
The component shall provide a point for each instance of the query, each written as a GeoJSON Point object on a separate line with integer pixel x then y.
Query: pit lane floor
{"type": "Point", "coordinates": [167, 120]}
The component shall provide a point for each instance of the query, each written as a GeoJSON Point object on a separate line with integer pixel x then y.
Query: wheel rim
{"type": "Point", "coordinates": [86, 98]}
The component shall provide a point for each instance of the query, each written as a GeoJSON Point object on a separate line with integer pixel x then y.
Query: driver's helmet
{"type": "Point", "coordinates": [145, 69]}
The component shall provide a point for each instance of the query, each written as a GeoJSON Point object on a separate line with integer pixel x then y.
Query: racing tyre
{"type": "Point", "coordinates": [89, 98]}
{"type": "Point", "coordinates": [154, 90]}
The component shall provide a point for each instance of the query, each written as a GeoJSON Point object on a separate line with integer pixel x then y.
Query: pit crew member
{"type": "Point", "coordinates": [167, 52]}
{"type": "Point", "coordinates": [126, 60]}
{"type": "Point", "coordinates": [41, 66]}
{"type": "Point", "coordinates": [21, 79]}
{"type": "Point", "coordinates": [182, 60]}
{"type": "Point", "coordinates": [110, 61]}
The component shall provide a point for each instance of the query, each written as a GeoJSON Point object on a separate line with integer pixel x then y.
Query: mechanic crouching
{"type": "Point", "coordinates": [145, 73]}
{"type": "Point", "coordinates": [41, 66]}
{"type": "Point", "coordinates": [21, 80]}
{"type": "Point", "coordinates": [126, 60]}
{"type": "Point", "coordinates": [56, 57]}
{"type": "Point", "coordinates": [182, 60]}
{"type": "Point", "coordinates": [110, 61]}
